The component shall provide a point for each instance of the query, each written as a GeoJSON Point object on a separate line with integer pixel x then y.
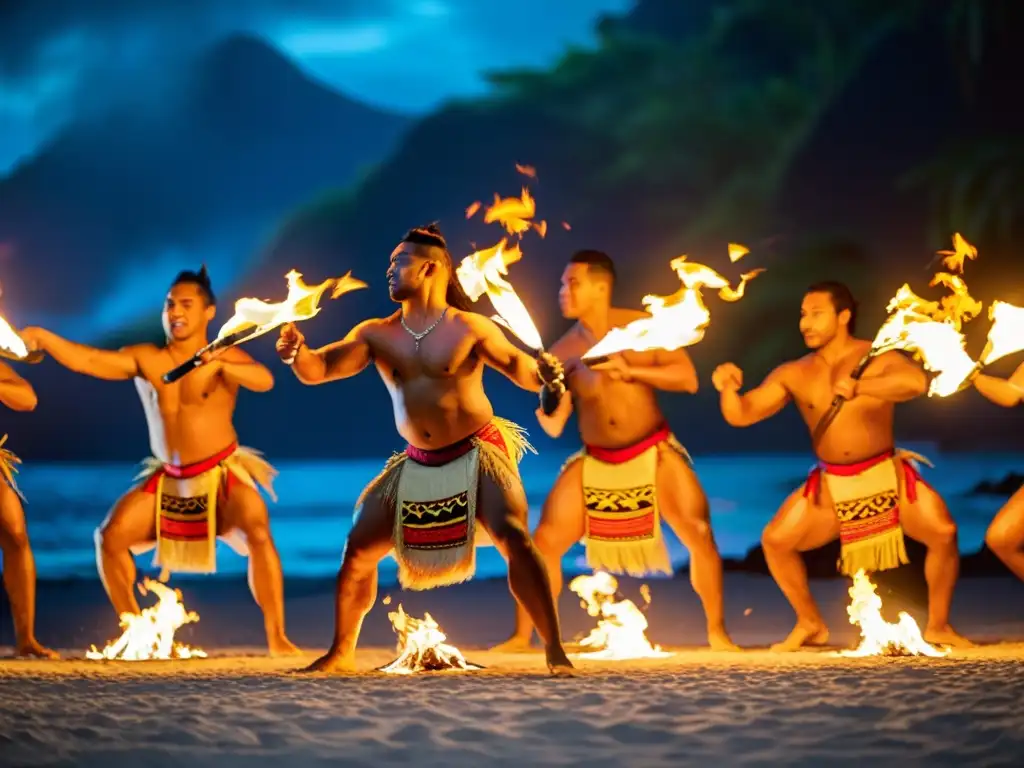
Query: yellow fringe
{"type": "Point", "coordinates": [492, 461]}
{"type": "Point", "coordinates": [8, 469]}
{"type": "Point", "coordinates": [248, 465]}
{"type": "Point", "coordinates": [879, 553]}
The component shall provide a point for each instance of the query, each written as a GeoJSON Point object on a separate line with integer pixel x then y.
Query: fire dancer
{"type": "Point", "coordinates": [632, 471]}
{"type": "Point", "coordinates": [1005, 536]}
{"type": "Point", "coordinates": [460, 465]}
{"type": "Point", "coordinates": [201, 484]}
{"type": "Point", "coordinates": [19, 564]}
{"type": "Point", "coordinates": [862, 491]}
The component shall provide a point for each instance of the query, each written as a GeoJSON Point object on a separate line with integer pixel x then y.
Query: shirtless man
{"type": "Point", "coordinates": [460, 467]}
{"type": "Point", "coordinates": [632, 471]}
{"type": "Point", "coordinates": [863, 491]}
{"type": "Point", "coordinates": [201, 484]}
{"type": "Point", "coordinates": [19, 565]}
{"type": "Point", "coordinates": [1005, 536]}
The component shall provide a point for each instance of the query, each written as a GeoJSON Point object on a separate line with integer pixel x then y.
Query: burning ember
{"type": "Point", "coordinates": [422, 647]}
{"type": "Point", "coordinates": [621, 626]}
{"type": "Point", "coordinates": [149, 635]}
{"type": "Point", "coordinates": [879, 637]}
{"type": "Point", "coordinates": [484, 270]}
{"type": "Point", "coordinates": [679, 320]}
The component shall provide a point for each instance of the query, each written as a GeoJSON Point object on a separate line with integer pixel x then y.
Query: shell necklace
{"type": "Point", "coordinates": [418, 337]}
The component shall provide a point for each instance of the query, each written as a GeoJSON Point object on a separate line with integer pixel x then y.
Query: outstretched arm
{"type": "Point", "coordinates": [671, 371]}
{"type": "Point", "coordinates": [501, 354]}
{"type": "Point", "coordinates": [339, 360]}
{"type": "Point", "coordinates": [758, 404]}
{"type": "Point", "coordinates": [1004, 392]}
{"type": "Point", "coordinates": [16, 393]}
{"type": "Point", "coordinates": [239, 369]}
{"type": "Point", "coordinates": [112, 365]}
{"type": "Point", "coordinates": [893, 377]}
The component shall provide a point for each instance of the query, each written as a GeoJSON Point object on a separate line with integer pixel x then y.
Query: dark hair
{"type": "Point", "coordinates": [431, 237]}
{"type": "Point", "coordinates": [842, 298]}
{"type": "Point", "coordinates": [596, 261]}
{"type": "Point", "coordinates": [200, 280]}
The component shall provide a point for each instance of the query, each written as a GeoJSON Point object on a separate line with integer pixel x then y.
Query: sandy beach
{"type": "Point", "coordinates": [755, 708]}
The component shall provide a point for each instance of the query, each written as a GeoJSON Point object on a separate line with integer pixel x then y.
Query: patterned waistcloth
{"type": "Point", "coordinates": [866, 499]}
{"type": "Point", "coordinates": [187, 498]}
{"type": "Point", "coordinates": [623, 520]}
{"type": "Point", "coordinates": [434, 494]}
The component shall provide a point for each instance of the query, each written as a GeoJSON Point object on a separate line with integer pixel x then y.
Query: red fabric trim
{"type": "Point", "coordinates": [489, 433]}
{"type": "Point", "coordinates": [177, 528]}
{"type": "Point", "coordinates": [192, 470]}
{"type": "Point", "coordinates": [618, 529]}
{"type": "Point", "coordinates": [910, 474]}
{"type": "Point", "coordinates": [455, 533]}
{"type": "Point", "coordinates": [622, 455]}
{"type": "Point", "coordinates": [849, 470]}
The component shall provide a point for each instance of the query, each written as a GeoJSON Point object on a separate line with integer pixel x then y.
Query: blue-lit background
{"type": "Point", "coordinates": [843, 140]}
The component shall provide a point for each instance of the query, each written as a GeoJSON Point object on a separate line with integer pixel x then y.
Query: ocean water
{"type": "Point", "coordinates": [312, 517]}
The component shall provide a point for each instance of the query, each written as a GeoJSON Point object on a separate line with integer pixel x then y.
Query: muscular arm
{"type": "Point", "coordinates": [1004, 392]}
{"type": "Point", "coordinates": [501, 354]}
{"type": "Point", "coordinates": [112, 365]}
{"type": "Point", "coordinates": [671, 371]}
{"type": "Point", "coordinates": [760, 403]}
{"type": "Point", "coordinates": [339, 360]}
{"type": "Point", "coordinates": [16, 393]}
{"type": "Point", "coordinates": [239, 369]}
{"type": "Point", "coordinates": [893, 378]}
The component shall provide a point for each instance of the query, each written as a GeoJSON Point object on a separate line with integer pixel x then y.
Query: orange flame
{"type": "Point", "coordinates": [483, 272]}
{"type": "Point", "coordinates": [675, 321]}
{"type": "Point", "coordinates": [150, 634]}
{"type": "Point", "coordinates": [621, 626]}
{"type": "Point", "coordinates": [515, 214]}
{"type": "Point", "coordinates": [422, 647]}
{"type": "Point", "coordinates": [301, 303]}
{"type": "Point", "coordinates": [931, 330]}
{"type": "Point", "coordinates": [879, 637]}
{"type": "Point", "coordinates": [527, 170]}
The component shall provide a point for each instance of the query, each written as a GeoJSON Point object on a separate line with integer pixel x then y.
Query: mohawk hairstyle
{"type": "Point", "coordinates": [201, 280]}
{"type": "Point", "coordinates": [431, 237]}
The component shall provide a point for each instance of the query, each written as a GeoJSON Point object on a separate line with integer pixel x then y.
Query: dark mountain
{"type": "Point", "coordinates": [859, 107]}
{"type": "Point", "coordinates": [243, 137]}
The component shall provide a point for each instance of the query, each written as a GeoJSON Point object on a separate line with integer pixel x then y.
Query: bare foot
{"type": "Point", "coordinates": [282, 646]}
{"type": "Point", "coordinates": [558, 663]}
{"type": "Point", "coordinates": [803, 635]}
{"type": "Point", "coordinates": [945, 635]}
{"type": "Point", "coordinates": [515, 645]}
{"type": "Point", "coordinates": [33, 649]}
{"type": "Point", "coordinates": [331, 663]}
{"type": "Point", "coordinates": [719, 640]}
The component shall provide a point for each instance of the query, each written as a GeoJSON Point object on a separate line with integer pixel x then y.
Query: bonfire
{"type": "Point", "coordinates": [621, 631]}
{"type": "Point", "coordinates": [879, 637]}
{"type": "Point", "coordinates": [422, 647]}
{"type": "Point", "coordinates": [149, 636]}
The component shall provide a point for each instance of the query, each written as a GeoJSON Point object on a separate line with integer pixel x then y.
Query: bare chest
{"type": "Point", "coordinates": [445, 352]}
{"type": "Point", "coordinates": [201, 386]}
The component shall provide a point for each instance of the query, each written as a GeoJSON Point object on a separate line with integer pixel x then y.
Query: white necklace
{"type": "Point", "coordinates": [418, 337]}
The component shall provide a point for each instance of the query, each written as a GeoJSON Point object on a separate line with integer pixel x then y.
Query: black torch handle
{"type": "Point", "coordinates": [196, 361]}
{"type": "Point", "coordinates": [837, 401]}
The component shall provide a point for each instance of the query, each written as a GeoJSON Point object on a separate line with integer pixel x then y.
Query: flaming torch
{"type": "Point", "coordinates": [484, 271]}
{"type": "Point", "coordinates": [254, 317]}
{"type": "Point", "coordinates": [12, 346]}
{"type": "Point", "coordinates": [676, 321]}
{"type": "Point", "coordinates": [931, 330]}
